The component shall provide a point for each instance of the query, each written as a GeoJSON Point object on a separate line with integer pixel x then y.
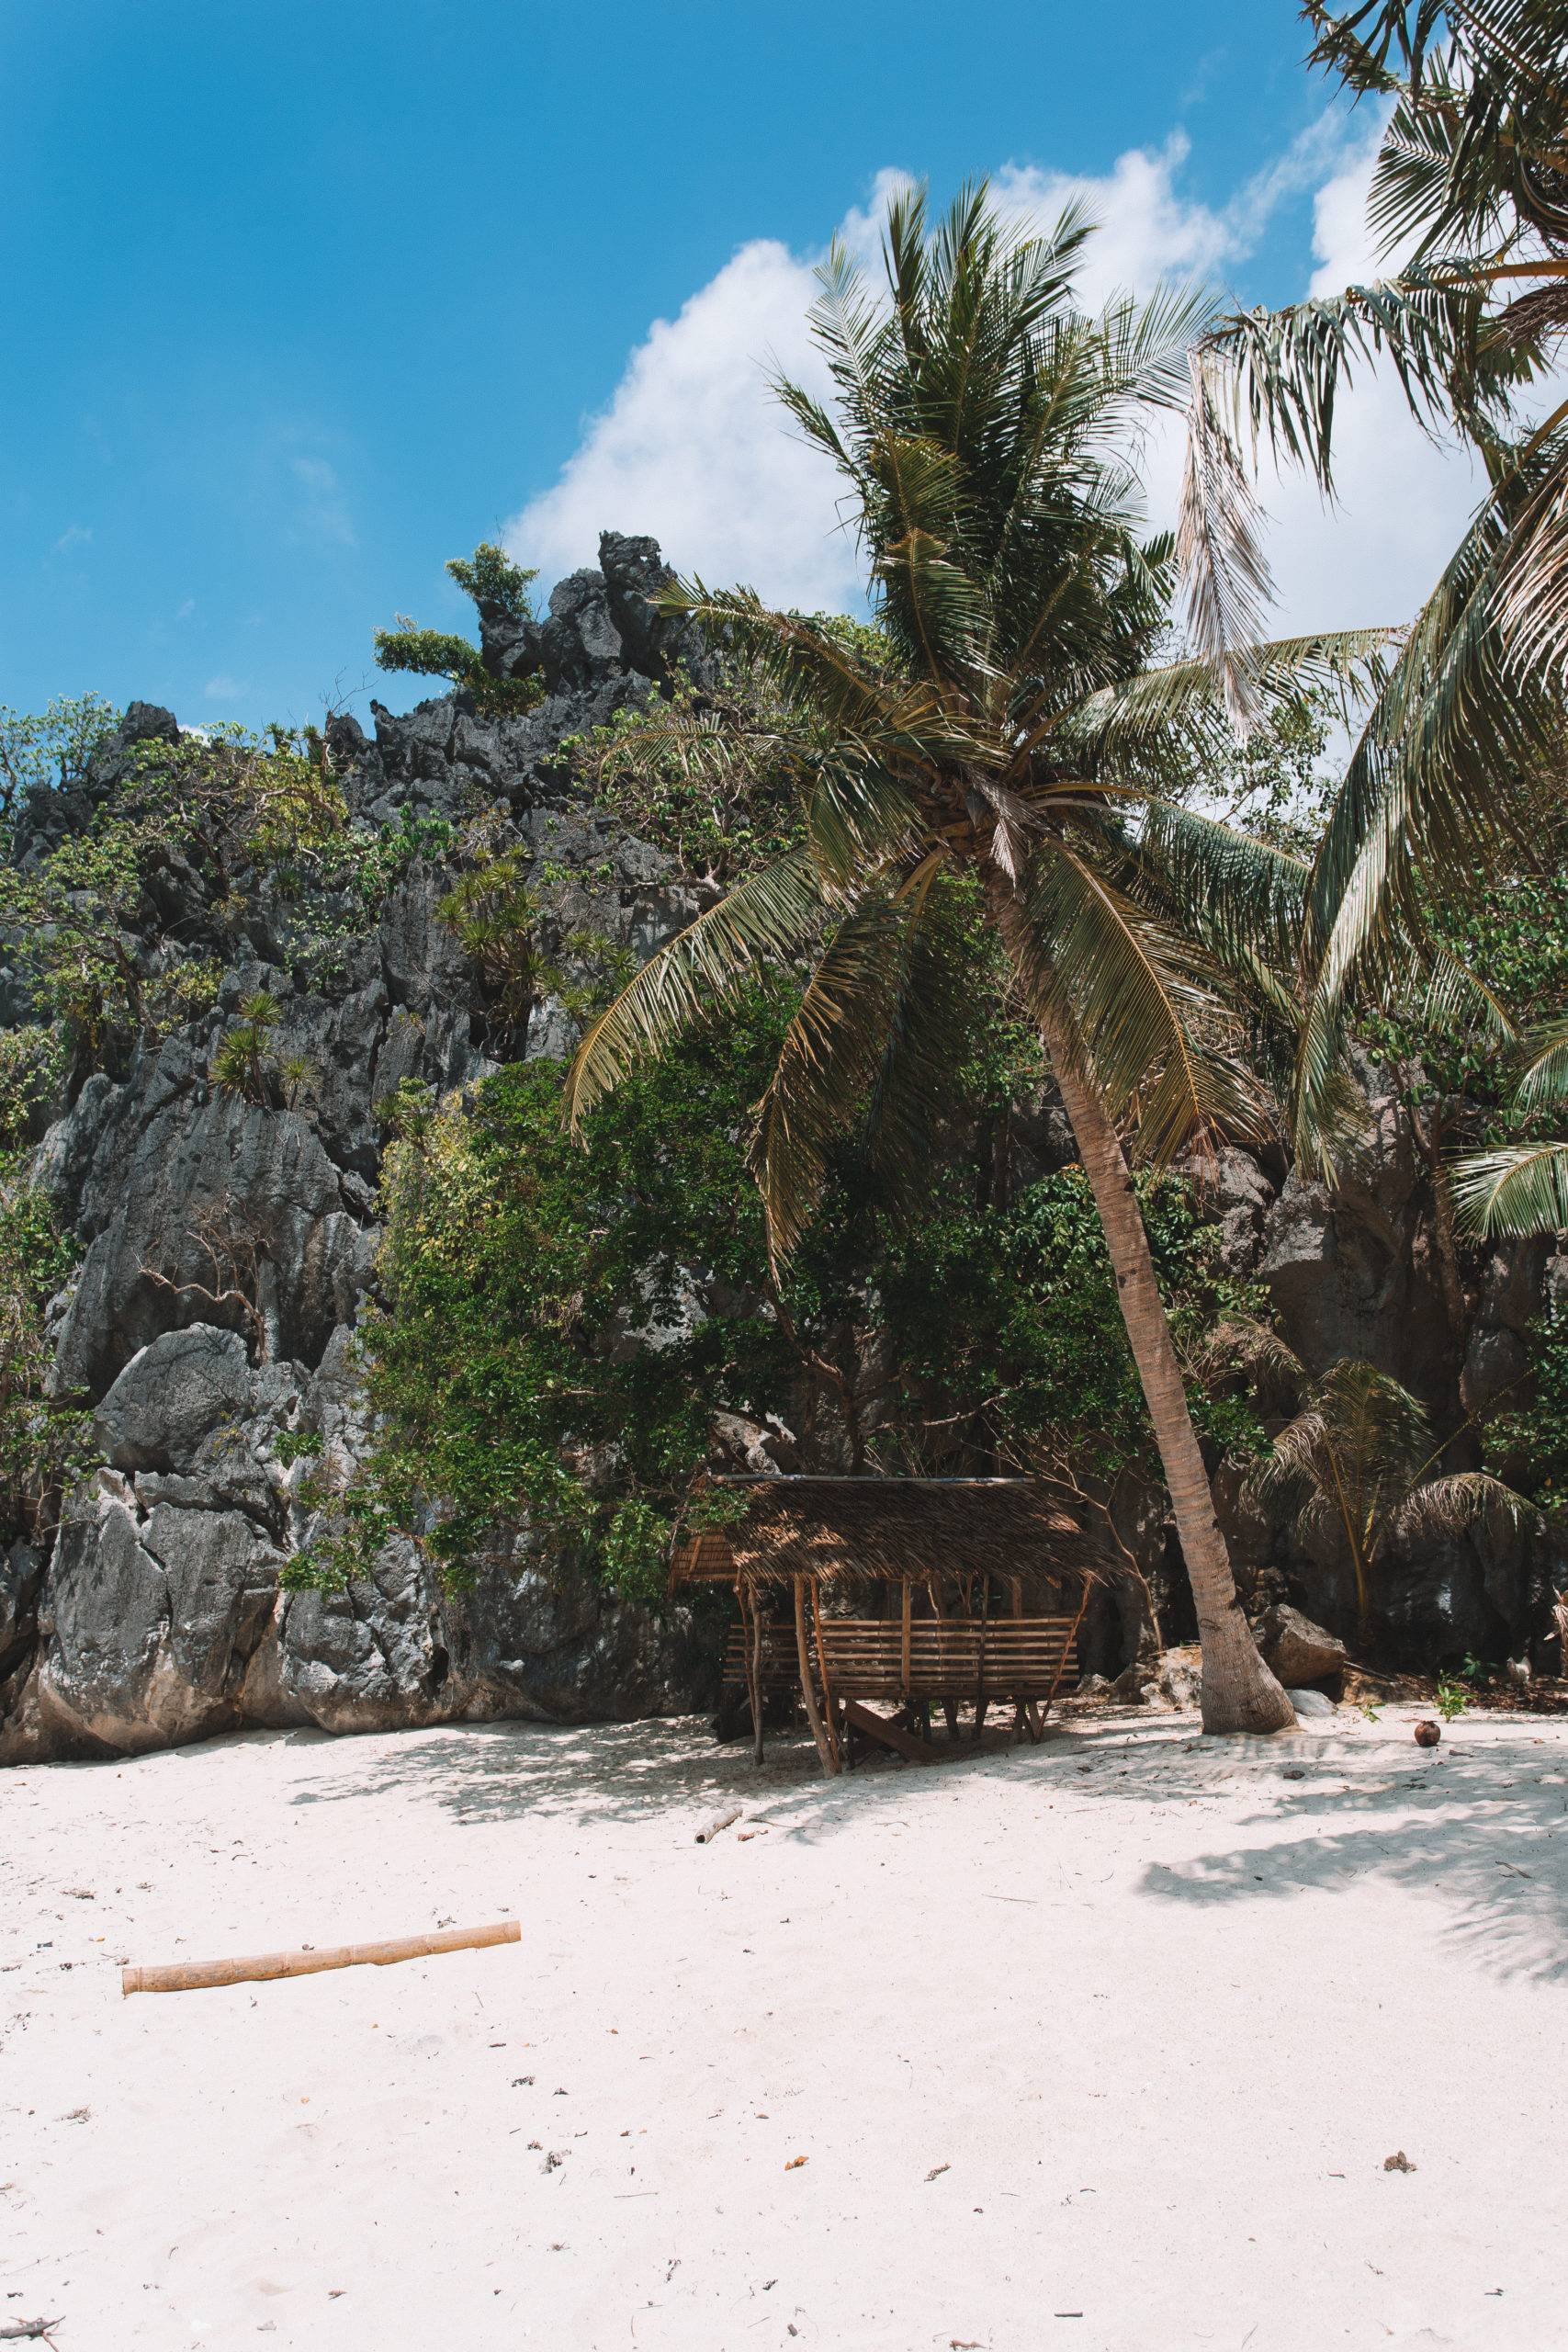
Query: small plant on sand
{"type": "Point", "coordinates": [1452, 1698]}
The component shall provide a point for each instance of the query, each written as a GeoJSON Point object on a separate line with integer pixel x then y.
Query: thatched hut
{"type": "Point", "coordinates": [856, 1592]}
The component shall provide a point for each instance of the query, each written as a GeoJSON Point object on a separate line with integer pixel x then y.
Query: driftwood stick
{"type": "Point", "coordinates": [710, 1830]}
{"type": "Point", "coordinates": [195, 1976]}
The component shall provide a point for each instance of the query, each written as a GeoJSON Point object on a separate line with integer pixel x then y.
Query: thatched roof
{"type": "Point", "coordinates": [877, 1529]}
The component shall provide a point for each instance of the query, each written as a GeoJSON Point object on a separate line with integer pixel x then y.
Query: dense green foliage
{"type": "Point", "coordinates": [42, 1442]}
{"type": "Point", "coordinates": [121, 932]}
{"type": "Point", "coordinates": [559, 1323]}
{"type": "Point", "coordinates": [1528, 1439]}
{"type": "Point", "coordinates": [49, 751]}
{"type": "Point", "coordinates": [499, 591]}
{"type": "Point", "coordinates": [699, 771]}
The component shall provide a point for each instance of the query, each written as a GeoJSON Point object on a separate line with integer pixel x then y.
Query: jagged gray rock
{"type": "Point", "coordinates": [229, 1245]}
{"type": "Point", "coordinates": [172, 1395]}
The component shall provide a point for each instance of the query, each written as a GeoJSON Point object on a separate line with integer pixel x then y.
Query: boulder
{"type": "Point", "coordinates": [1298, 1653]}
{"type": "Point", "coordinates": [148, 1627]}
{"type": "Point", "coordinates": [172, 1395]}
{"type": "Point", "coordinates": [1310, 1705]}
{"type": "Point", "coordinates": [1181, 1676]}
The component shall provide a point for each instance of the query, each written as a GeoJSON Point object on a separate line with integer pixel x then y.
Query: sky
{"type": "Point", "coordinates": [306, 297]}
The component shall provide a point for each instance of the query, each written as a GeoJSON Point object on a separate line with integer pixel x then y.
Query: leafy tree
{"type": "Point", "coordinates": [499, 591]}
{"type": "Point", "coordinates": [697, 769]}
{"type": "Point", "coordinates": [32, 1069]}
{"type": "Point", "coordinates": [558, 1326]}
{"type": "Point", "coordinates": [1461, 749]}
{"type": "Point", "coordinates": [537, 1353]}
{"type": "Point", "coordinates": [1451, 1056]}
{"type": "Point", "coordinates": [495, 913]}
{"type": "Point", "coordinates": [74, 920]}
{"type": "Point", "coordinates": [266, 807]}
{"type": "Point", "coordinates": [1006, 717]}
{"type": "Point", "coordinates": [51, 750]}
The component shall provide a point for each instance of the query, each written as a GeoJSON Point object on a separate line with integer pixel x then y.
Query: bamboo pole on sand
{"type": "Point", "coordinates": [259, 1968]}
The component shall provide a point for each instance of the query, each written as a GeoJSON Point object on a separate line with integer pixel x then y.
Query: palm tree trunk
{"type": "Point", "coordinates": [1239, 1693]}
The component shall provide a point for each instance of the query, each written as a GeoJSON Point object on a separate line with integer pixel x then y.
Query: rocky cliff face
{"type": "Point", "coordinates": [228, 1245]}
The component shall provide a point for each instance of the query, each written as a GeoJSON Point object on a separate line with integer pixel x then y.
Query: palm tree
{"type": "Point", "coordinates": [1358, 1459]}
{"type": "Point", "coordinates": [1470, 198]}
{"type": "Point", "coordinates": [1521, 1188]}
{"type": "Point", "coordinates": [998, 743]}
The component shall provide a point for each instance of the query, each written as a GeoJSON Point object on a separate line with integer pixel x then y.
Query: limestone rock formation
{"type": "Point", "coordinates": [228, 1247]}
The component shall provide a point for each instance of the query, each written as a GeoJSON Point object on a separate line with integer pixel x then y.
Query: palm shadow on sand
{"type": "Point", "coordinates": [1482, 1829]}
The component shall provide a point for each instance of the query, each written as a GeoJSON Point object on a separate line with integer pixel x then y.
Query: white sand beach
{"type": "Point", "coordinates": [1101, 2045]}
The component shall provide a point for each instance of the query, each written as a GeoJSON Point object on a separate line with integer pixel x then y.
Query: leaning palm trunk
{"type": "Point", "coordinates": [1239, 1693]}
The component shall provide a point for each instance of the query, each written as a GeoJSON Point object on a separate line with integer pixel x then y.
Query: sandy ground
{"type": "Point", "coordinates": [1101, 2044]}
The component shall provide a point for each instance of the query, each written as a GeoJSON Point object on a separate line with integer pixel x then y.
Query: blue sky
{"type": "Point", "coordinates": [305, 297]}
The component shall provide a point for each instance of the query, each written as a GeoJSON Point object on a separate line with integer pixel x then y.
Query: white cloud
{"type": "Point", "coordinates": [693, 449]}
{"type": "Point", "coordinates": [75, 535]}
{"type": "Point", "coordinates": [1402, 499]}
{"type": "Point", "coordinates": [322, 509]}
{"type": "Point", "coordinates": [224, 689]}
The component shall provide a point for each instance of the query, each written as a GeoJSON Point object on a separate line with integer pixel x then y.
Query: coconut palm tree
{"type": "Point", "coordinates": [1521, 1188]}
{"type": "Point", "coordinates": [1469, 202]}
{"type": "Point", "coordinates": [997, 738]}
{"type": "Point", "coordinates": [1358, 1459]}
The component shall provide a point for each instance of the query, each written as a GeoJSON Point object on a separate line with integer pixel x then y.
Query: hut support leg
{"type": "Point", "coordinates": [828, 1708]}
{"type": "Point", "coordinates": [813, 1713]}
{"type": "Point", "coordinates": [751, 1626]}
{"type": "Point", "coordinates": [1062, 1661]}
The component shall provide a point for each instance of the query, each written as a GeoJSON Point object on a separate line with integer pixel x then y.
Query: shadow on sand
{"type": "Point", "coordinates": [1485, 1832]}
{"type": "Point", "coordinates": [1482, 1827]}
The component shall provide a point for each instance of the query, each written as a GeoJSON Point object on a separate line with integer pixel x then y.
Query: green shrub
{"type": "Point", "coordinates": [499, 591]}
{"type": "Point", "coordinates": [43, 1444]}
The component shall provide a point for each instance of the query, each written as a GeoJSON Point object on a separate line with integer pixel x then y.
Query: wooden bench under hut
{"type": "Point", "coordinates": [859, 1595]}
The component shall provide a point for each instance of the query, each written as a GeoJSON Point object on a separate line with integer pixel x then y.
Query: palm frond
{"type": "Point", "coordinates": [1545, 1080]}
{"type": "Point", "coordinates": [1241, 898]}
{"type": "Point", "coordinates": [1467, 1498]}
{"type": "Point", "coordinates": [1133, 993]}
{"type": "Point", "coordinates": [857, 1055]}
{"type": "Point", "coordinates": [1516, 1189]}
{"type": "Point", "coordinates": [1436, 788]}
{"type": "Point", "coordinates": [1220, 542]}
{"type": "Point", "coordinates": [764, 921]}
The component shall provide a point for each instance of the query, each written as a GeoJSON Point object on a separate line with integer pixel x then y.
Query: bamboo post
{"type": "Point", "coordinates": [261, 1968]}
{"type": "Point", "coordinates": [944, 1657]}
{"type": "Point", "coordinates": [1062, 1661]}
{"type": "Point", "coordinates": [813, 1713]}
{"type": "Point", "coordinates": [980, 1663]}
{"type": "Point", "coordinates": [904, 1646]}
{"type": "Point", "coordinates": [827, 1685]}
{"type": "Point", "coordinates": [751, 1635]}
